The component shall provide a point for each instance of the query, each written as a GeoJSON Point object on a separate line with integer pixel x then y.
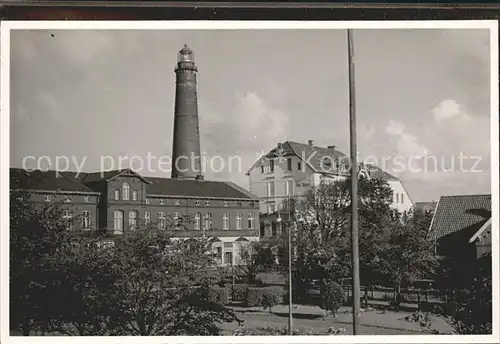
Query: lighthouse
{"type": "Point", "coordinates": [186, 158]}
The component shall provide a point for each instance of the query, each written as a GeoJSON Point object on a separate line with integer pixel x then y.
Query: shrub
{"type": "Point", "coordinates": [239, 292]}
{"type": "Point", "coordinates": [266, 297]}
{"type": "Point", "coordinates": [218, 294]}
{"type": "Point", "coordinates": [332, 296]}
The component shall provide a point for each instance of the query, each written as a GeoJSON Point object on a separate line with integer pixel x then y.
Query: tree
{"type": "Point", "coordinates": [36, 232]}
{"type": "Point", "coordinates": [332, 295]}
{"type": "Point", "coordinates": [322, 238]}
{"type": "Point", "coordinates": [407, 253]}
{"type": "Point", "coordinates": [474, 304]}
{"type": "Point", "coordinates": [166, 286]}
{"type": "Point", "coordinates": [255, 258]}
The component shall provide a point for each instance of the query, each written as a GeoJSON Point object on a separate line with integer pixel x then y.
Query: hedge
{"type": "Point", "coordinates": [218, 294]}
{"type": "Point", "coordinates": [239, 292]}
{"type": "Point", "coordinates": [264, 296]}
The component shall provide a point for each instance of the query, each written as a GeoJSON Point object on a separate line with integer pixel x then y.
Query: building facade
{"type": "Point", "coordinates": [122, 201]}
{"type": "Point", "coordinates": [291, 168]}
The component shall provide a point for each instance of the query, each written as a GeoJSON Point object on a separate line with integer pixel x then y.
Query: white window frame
{"type": "Point", "coordinates": [48, 198]}
{"type": "Point", "coordinates": [147, 218]}
{"type": "Point", "coordinates": [238, 221]}
{"type": "Point", "coordinates": [162, 220]}
{"type": "Point", "coordinates": [162, 202]}
{"type": "Point", "coordinates": [135, 195]}
{"type": "Point", "coordinates": [147, 200]}
{"type": "Point", "coordinates": [117, 195]}
{"type": "Point", "coordinates": [271, 189]}
{"type": "Point", "coordinates": [177, 202]}
{"type": "Point", "coordinates": [207, 221]}
{"type": "Point", "coordinates": [207, 203]}
{"type": "Point", "coordinates": [118, 226]}
{"type": "Point", "coordinates": [86, 220]}
{"type": "Point", "coordinates": [251, 221]}
{"type": "Point", "coordinates": [126, 191]}
{"type": "Point", "coordinates": [132, 219]}
{"type": "Point", "coordinates": [177, 218]}
{"type": "Point", "coordinates": [197, 202]}
{"type": "Point", "coordinates": [86, 199]}
{"type": "Point", "coordinates": [226, 203]}
{"type": "Point", "coordinates": [225, 221]}
{"type": "Point", "coordinates": [197, 221]}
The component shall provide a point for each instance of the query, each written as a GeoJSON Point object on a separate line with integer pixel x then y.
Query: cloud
{"type": "Point", "coordinates": [50, 104]}
{"type": "Point", "coordinates": [407, 145]}
{"type": "Point", "coordinates": [446, 109]}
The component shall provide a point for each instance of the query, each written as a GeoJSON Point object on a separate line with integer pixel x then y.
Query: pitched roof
{"type": "Point", "coordinates": [109, 175]}
{"type": "Point", "coordinates": [486, 227]}
{"type": "Point", "coordinates": [195, 188]}
{"type": "Point", "coordinates": [455, 213]}
{"type": "Point", "coordinates": [46, 181]}
{"type": "Point", "coordinates": [74, 182]}
{"type": "Point", "coordinates": [315, 157]}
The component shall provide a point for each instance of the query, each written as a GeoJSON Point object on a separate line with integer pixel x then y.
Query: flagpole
{"type": "Point", "coordinates": [354, 191]}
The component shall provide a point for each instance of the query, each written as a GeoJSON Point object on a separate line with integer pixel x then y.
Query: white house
{"type": "Point", "coordinates": [291, 168]}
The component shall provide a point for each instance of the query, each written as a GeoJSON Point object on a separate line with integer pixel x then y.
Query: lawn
{"type": "Point", "coordinates": [373, 322]}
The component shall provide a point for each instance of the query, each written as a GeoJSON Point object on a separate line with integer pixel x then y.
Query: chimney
{"type": "Point", "coordinates": [310, 143]}
{"type": "Point", "coordinates": [332, 147]}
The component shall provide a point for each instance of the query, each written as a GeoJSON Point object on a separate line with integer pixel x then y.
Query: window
{"type": "Point", "coordinates": [162, 223]}
{"type": "Point", "coordinates": [228, 258]}
{"type": "Point", "coordinates": [134, 195]}
{"type": "Point", "coordinates": [271, 208]}
{"type": "Point", "coordinates": [197, 220]}
{"type": "Point", "coordinates": [402, 198]}
{"type": "Point", "coordinates": [117, 195]}
{"type": "Point", "coordinates": [118, 220]}
{"type": "Point", "coordinates": [67, 216]}
{"type": "Point", "coordinates": [299, 166]}
{"type": "Point", "coordinates": [271, 165]}
{"type": "Point", "coordinates": [238, 221]}
{"type": "Point", "coordinates": [177, 202]}
{"type": "Point", "coordinates": [289, 187]}
{"type": "Point", "coordinates": [177, 218]}
{"type": "Point", "coordinates": [251, 221]}
{"type": "Point", "coordinates": [207, 203]}
{"type": "Point", "coordinates": [225, 203]}
{"type": "Point", "coordinates": [85, 219]}
{"type": "Point", "coordinates": [147, 218]}
{"type": "Point", "coordinates": [132, 219]}
{"type": "Point", "coordinates": [125, 190]}
{"type": "Point", "coordinates": [67, 200]}
{"type": "Point", "coordinates": [262, 169]}
{"type": "Point", "coordinates": [262, 230]}
{"type": "Point", "coordinates": [397, 198]}
{"type": "Point", "coordinates": [225, 221]}
{"type": "Point", "coordinates": [274, 229]}
{"type": "Point", "coordinates": [162, 201]}
{"type": "Point", "coordinates": [270, 189]}
{"type": "Point", "coordinates": [289, 164]}
{"type": "Point", "coordinates": [86, 199]}
{"type": "Point", "coordinates": [47, 198]}
{"type": "Point", "coordinates": [147, 200]}
{"type": "Point", "coordinates": [207, 221]}
{"type": "Point", "coordinates": [197, 202]}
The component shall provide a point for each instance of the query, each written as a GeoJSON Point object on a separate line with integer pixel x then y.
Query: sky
{"type": "Point", "coordinates": [422, 97]}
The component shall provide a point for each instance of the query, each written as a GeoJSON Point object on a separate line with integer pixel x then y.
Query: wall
{"type": "Point", "coordinates": [398, 188]}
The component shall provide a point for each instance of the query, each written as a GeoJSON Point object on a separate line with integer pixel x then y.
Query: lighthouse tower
{"type": "Point", "coordinates": [186, 158]}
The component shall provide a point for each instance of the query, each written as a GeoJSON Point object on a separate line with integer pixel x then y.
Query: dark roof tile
{"type": "Point", "coordinates": [47, 181]}
{"type": "Point", "coordinates": [454, 213]}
